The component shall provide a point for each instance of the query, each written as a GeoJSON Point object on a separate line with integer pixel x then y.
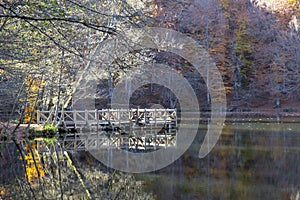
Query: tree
{"type": "Point", "coordinates": [43, 46]}
{"type": "Point", "coordinates": [57, 38]}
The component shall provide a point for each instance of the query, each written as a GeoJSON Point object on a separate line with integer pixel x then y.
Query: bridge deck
{"type": "Point", "coordinates": [135, 129]}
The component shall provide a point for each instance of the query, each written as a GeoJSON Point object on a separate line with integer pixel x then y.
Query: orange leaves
{"type": "Point", "coordinates": [156, 11]}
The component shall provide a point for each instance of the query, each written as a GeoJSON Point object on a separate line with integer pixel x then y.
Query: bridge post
{"type": "Point", "coordinates": [38, 117]}
{"type": "Point", "coordinates": [74, 117]}
{"type": "Point", "coordinates": [86, 117]}
{"type": "Point", "coordinates": [97, 119]}
{"type": "Point", "coordinates": [155, 120]}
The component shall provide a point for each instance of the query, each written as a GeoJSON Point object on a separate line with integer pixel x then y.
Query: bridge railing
{"type": "Point", "coordinates": [136, 128]}
{"type": "Point", "coordinates": [108, 116]}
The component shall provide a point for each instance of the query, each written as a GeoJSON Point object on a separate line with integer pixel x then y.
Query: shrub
{"type": "Point", "coordinates": [50, 130]}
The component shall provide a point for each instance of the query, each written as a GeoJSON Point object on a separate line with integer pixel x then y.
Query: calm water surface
{"type": "Point", "coordinates": [252, 160]}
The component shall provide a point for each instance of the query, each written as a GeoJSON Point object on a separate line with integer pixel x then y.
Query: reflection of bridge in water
{"type": "Point", "coordinates": [134, 130]}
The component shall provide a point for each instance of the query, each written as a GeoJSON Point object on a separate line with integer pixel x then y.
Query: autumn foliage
{"type": "Point", "coordinates": [252, 42]}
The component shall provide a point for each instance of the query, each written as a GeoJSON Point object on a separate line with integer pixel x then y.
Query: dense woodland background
{"type": "Point", "coordinates": [255, 45]}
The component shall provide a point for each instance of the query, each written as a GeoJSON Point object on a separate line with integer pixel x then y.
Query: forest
{"type": "Point", "coordinates": [46, 44]}
{"type": "Point", "coordinates": [255, 46]}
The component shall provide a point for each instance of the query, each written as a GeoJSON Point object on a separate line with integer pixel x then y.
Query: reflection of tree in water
{"type": "Point", "coordinates": [69, 176]}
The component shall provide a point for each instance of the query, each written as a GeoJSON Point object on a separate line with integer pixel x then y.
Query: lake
{"type": "Point", "coordinates": [253, 159]}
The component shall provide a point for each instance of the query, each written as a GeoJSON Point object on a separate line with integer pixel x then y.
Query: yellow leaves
{"type": "Point", "coordinates": [295, 5]}
{"type": "Point", "coordinates": [32, 170]}
{"type": "Point", "coordinates": [228, 89]}
{"type": "Point", "coordinates": [33, 86]}
{"type": "Point", "coordinates": [32, 173]}
{"type": "Point", "coordinates": [293, 1]}
{"type": "Point", "coordinates": [244, 42]}
{"type": "Point", "coordinates": [225, 4]}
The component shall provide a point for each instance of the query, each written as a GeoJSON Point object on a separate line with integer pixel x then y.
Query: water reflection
{"type": "Point", "coordinates": [250, 161]}
{"type": "Point", "coordinates": [139, 140]}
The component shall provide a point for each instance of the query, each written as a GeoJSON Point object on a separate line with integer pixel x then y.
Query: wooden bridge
{"type": "Point", "coordinates": [131, 129]}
